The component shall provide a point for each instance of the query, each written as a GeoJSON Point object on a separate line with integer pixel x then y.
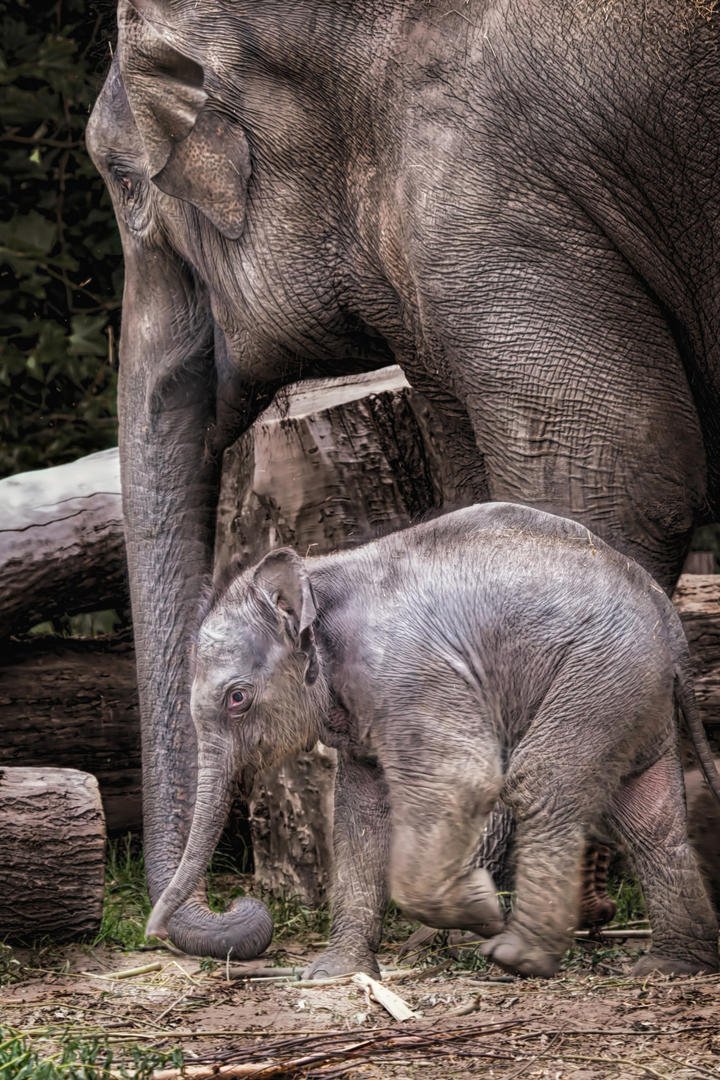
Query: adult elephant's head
{"type": "Point", "coordinates": [170, 129]}
{"type": "Point", "coordinates": [259, 694]}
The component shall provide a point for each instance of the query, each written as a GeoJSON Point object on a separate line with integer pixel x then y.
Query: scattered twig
{"type": "Point", "coordinates": [171, 1006]}
{"type": "Point", "coordinates": [261, 973]}
{"type": "Point", "coordinates": [128, 973]}
{"type": "Point", "coordinates": [584, 935]}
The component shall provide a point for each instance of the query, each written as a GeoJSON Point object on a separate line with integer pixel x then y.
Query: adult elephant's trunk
{"type": "Point", "coordinates": [171, 439]}
{"type": "Point", "coordinates": [247, 928]}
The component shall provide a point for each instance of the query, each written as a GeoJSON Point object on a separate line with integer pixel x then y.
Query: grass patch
{"type": "Point", "coordinates": [628, 896]}
{"type": "Point", "coordinates": [76, 1059]}
{"type": "Point", "coordinates": [127, 904]}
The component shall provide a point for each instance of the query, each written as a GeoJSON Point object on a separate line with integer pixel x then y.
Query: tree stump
{"type": "Point", "coordinates": [52, 856]}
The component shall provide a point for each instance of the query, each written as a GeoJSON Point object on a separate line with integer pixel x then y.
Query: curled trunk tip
{"type": "Point", "coordinates": [242, 932]}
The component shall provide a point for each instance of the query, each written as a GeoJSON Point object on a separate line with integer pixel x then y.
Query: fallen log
{"type": "Point", "coordinates": [52, 856]}
{"type": "Point", "coordinates": [697, 600]}
{"type": "Point", "coordinates": [62, 546]}
{"type": "Point", "coordinates": [72, 703]}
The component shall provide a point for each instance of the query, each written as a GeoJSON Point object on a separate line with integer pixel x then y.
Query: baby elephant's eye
{"type": "Point", "coordinates": [238, 701]}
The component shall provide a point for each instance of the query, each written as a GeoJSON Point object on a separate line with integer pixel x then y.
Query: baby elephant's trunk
{"type": "Point", "coordinates": [212, 804]}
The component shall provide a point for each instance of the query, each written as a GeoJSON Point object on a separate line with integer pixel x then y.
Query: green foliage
{"type": "Point", "coordinates": [60, 260]}
{"type": "Point", "coordinates": [626, 892]}
{"type": "Point", "coordinates": [21, 1058]}
{"type": "Point", "coordinates": [127, 904]}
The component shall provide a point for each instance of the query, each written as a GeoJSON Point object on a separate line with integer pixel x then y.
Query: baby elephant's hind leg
{"type": "Point", "coordinates": [438, 811]}
{"type": "Point", "coordinates": [649, 815]}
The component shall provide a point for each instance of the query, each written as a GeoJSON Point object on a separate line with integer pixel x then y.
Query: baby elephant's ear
{"type": "Point", "coordinates": [282, 575]}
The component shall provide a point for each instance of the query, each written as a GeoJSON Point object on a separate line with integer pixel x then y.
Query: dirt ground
{"type": "Point", "coordinates": [592, 1022]}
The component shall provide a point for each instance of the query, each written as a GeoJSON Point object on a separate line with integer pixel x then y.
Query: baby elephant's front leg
{"type": "Point", "coordinates": [361, 834]}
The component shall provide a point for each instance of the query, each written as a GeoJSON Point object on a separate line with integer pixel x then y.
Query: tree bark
{"type": "Point", "coordinates": [333, 464]}
{"type": "Point", "coordinates": [52, 858]}
{"type": "Point", "coordinates": [62, 546]}
{"type": "Point", "coordinates": [73, 703]}
{"type": "Point", "coordinates": [697, 600]}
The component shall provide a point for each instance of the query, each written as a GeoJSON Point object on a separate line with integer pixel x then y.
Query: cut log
{"type": "Point", "coordinates": [73, 704]}
{"type": "Point", "coordinates": [62, 546]}
{"type": "Point", "coordinates": [52, 856]}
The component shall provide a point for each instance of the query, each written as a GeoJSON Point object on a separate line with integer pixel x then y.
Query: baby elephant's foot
{"type": "Point", "coordinates": [651, 962]}
{"type": "Point", "coordinates": [339, 962]}
{"type": "Point", "coordinates": [509, 951]}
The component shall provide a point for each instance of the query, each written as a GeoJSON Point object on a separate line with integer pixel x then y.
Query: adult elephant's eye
{"type": "Point", "coordinates": [237, 697]}
{"type": "Point", "coordinates": [124, 180]}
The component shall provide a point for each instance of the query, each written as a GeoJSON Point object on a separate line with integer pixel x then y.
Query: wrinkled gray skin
{"type": "Point", "coordinates": [498, 651]}
{"type": "Point", "coordinates": [517, 202]}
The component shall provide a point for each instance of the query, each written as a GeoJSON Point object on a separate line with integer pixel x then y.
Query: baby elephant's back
{"type": "Point", "coordinates": [520, 593]}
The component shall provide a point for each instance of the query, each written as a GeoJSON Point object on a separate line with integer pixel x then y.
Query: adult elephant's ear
{"type": "Point", "coordinates": [283, 576]}
{"type": "Point", "coordinates": [194, 153]}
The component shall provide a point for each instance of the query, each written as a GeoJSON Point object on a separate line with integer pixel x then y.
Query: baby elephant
{"type": "Point", "coordinates": [497, 652]}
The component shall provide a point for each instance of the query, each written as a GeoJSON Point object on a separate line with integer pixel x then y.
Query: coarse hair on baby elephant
{"type": "Point", "coordinates": [497, 653]}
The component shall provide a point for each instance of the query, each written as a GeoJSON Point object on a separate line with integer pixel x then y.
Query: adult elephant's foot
{"type": "Point", "coordinates": [336, 961]}
{"type": "Point", "coordinates": [651, 962]}
{"type": "Point", "coordinates": [510, 952]}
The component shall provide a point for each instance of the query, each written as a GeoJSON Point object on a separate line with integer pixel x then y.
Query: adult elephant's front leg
{"type": "Point", "coordinates": [170, 461]}
{"type": "Point", "coordinates": [361, 841]}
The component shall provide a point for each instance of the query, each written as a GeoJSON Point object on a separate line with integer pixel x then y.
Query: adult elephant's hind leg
{"type": "Point", "coordinates": [649, 815]}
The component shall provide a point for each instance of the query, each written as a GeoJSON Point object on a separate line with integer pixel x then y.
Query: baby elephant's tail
{"type": "Point", "coordinates": [685, 698]}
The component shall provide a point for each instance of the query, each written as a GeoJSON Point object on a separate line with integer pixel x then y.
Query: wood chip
{"type": "Point", "coordinates": [389, 1000]}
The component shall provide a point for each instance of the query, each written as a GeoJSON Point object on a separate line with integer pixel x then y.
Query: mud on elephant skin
{"type": "Point", "coordinates": [498, 651]}
{"type": "Point", "coordinates": [489, 196]}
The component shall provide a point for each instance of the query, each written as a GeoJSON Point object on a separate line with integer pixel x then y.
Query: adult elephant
{"type": "Point", "coordinates": [520, 204]}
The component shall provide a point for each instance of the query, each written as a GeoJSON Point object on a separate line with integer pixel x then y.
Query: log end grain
{"type": "Point", "coordinates": [52, 856]}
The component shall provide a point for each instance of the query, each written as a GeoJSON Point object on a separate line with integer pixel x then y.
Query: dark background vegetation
{"type": "Point", "coordinates": [60, 262]}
